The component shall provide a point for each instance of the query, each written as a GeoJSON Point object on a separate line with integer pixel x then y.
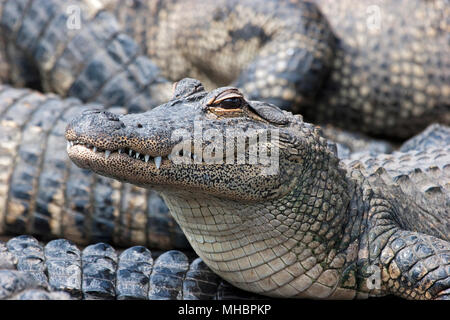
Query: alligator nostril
{"type": "Point", "coordinates": [111, 116]}
{"type": "Point", "coordinates": [139, 125]}
{"type": "Point", "coordinates": [91, 111]}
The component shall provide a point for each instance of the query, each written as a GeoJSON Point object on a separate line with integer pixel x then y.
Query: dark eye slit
{"type": "Point", "coordinates": [230, 103]}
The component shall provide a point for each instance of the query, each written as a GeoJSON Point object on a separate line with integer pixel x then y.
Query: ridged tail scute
{"type": "Point", "coordinates": [421, 182]}
{"type": "Point", "coordinates": [77, 49]}
{"type": "Point", "coordinates": [30, 270]}
{"type": "Point", "coordinates": [407, 234]}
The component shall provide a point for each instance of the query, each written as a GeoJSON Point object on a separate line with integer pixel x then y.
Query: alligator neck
{"type": "Point", "coordinates": [265, 247]}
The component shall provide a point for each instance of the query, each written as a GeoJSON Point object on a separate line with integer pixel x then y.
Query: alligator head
{"type": "Point", "coordinates": [214, 142]}
{"type": "Point", "coordinates": [234, 173]}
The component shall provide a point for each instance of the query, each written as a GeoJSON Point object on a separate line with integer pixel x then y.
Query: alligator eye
{"type": "Point", "coordinates": [230, 103]}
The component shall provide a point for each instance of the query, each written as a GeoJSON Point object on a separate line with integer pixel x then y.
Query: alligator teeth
{"type": "Point", "coordinates": [107, 154]}
{"type": "Point", "coordinates": [137, 155]}
{"type": "Point", "coordinates": [158, 162]}
{"type": "Point", "coordinates": [120, 151]}
{"type": "Point", "coordinates": [130, 152]}
{"type": "Point", "coordinates": [95, 149]}
{"type": "Point", "coordinates": [71, 143]}
{"type": "Point", "coordinates": [68, 145]}
{"type": "Point", "coordinates": [147, 157]}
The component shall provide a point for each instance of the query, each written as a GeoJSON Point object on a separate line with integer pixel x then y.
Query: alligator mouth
{"type": "Point", "coordinates": [134, 155]}
{"type": "Point", "coordinates": [180, 156]}
{"type": "Point", "coordinates": [125, 152]}
{"type": "Point", "coordinates": [161, 172]}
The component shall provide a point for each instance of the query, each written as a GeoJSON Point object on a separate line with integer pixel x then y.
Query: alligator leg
{"type": "Point", "coordinates": [416, 266]}
{"type": "Point", "coordinates": [405, 263]}
{"type": "Point", "coordinates": [303, 62]}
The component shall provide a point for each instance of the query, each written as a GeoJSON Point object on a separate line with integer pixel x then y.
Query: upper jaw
{"type": "Point", "coordinates": [107, 134]}
{"type": "Point", "coordinates": [157, 160]}
{"type": "Point", "coordinates": [77, 149]}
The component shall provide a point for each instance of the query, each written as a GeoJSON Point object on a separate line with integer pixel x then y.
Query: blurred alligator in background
{"type": "Point", "coordinates": [30, 271]}
{"type": "Point", "coordinates": [379, 67]}
{"type": "Point", "coordinates": [375, 66]}
{"type": "Point", "coordinates": [95, 62]}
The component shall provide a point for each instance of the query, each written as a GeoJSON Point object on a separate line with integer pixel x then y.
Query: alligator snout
{"type": "Point", "coordinates": [103, 131]}
{"type": "Point", "coordinates": [108, 115]}
{"type": "Point", "coordinates": [98, 121]}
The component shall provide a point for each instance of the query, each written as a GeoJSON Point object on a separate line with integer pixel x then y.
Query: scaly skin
{"type": "Point", "coordinates": [355, 145]}
{"type": "Point", "coordinates": [379, 67]}
{"type": "Point", "coordinates": [435, 134]}
{"type": "Point", "coordinates": [59, 270]}
{"type": "Point", "coordinates": [44, 194]}
{"type": "Point", "coordinates": [96, 62]}
{"type": "Point", "coordinates": [316, 227]}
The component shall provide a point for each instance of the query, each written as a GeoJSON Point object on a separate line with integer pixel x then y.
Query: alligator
{"type": "Point", "coordinates": [374, 66]}
{"type": "Point", "coordinates": [107, 69]}
{"type": "Point", "coordinates": [60, 271]}
{"type": "Point", "coordinates": [298, 222]}
{"type": "Point", "coordinates": [88, 57]}
{"type": "Point", "coordinates": [43, 194]}
{"type": "Point", "coordinates": [435, 134]}
{"type": "Point", "coordinates": [378, 67]}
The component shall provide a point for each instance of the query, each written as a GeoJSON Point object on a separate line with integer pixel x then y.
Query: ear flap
{"type": "Point", "coordinates": [269, 112]}
{"type": "Point", "coordinates": [186, 87]}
